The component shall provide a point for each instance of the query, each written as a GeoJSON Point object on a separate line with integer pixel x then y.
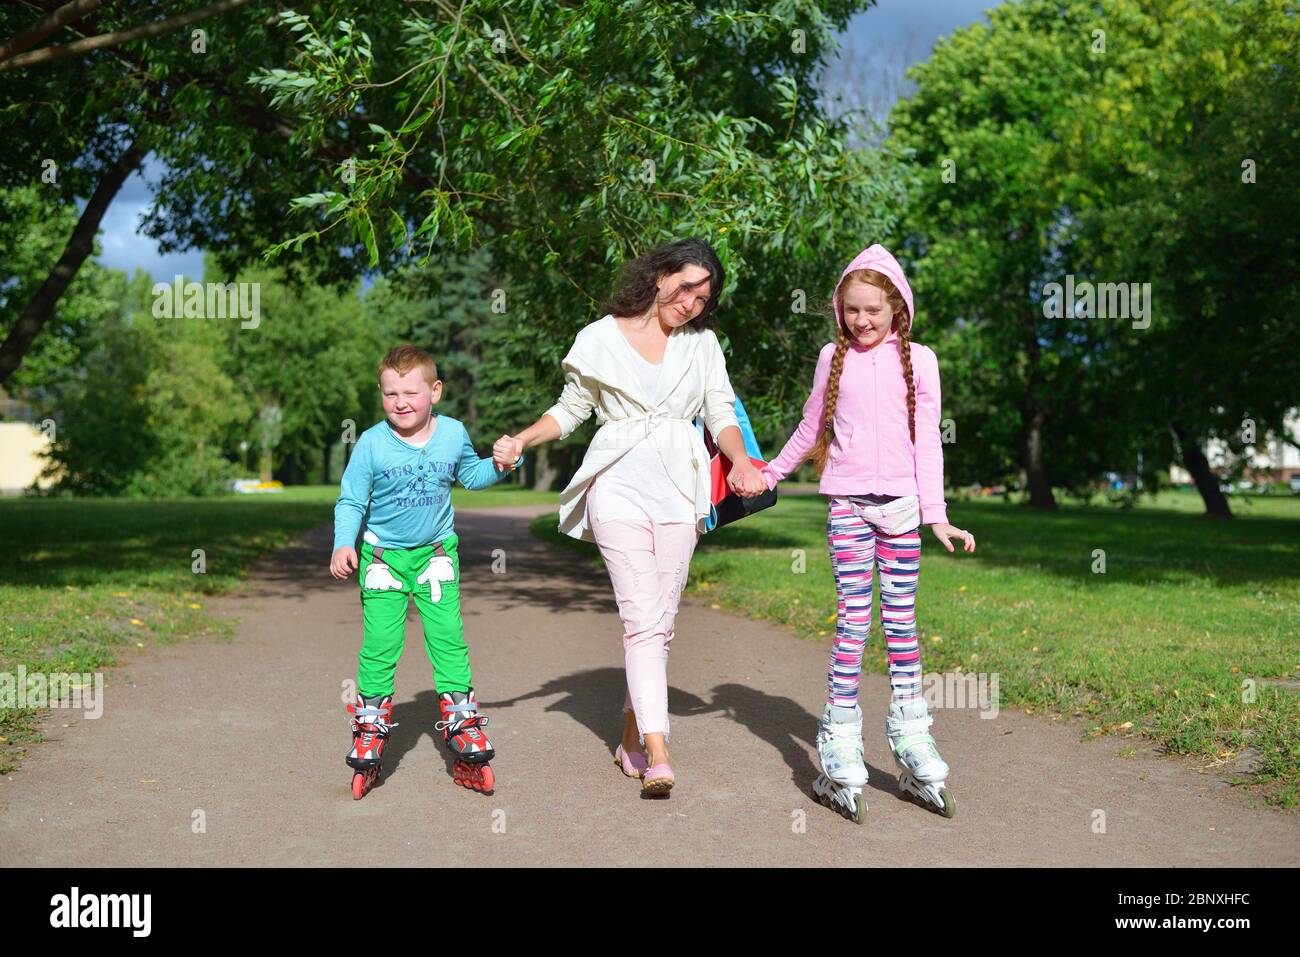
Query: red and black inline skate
{"type": "Point", "coordinates": [460, 726]}
{"type": "Point", "coordinates": [372, 719]}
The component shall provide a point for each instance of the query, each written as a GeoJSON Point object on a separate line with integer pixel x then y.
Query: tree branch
{"type": "Point", "coordinates": [79, 246]}
{"type": "Point", "coordinates": [51, 23]}
{"type": "Point", "coordinates": [117, 38]}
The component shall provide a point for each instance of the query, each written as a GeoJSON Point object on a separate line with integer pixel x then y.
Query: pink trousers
{"type": "Point", "coordinates": [648, 563]}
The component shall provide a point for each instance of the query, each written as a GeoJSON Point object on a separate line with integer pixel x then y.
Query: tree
{"type": "Point", "coordinates": [33, 231]}
{"type": "Point", "coordinates": [308, 364]}
{"type": "Point", "coordinates": [78, 123]}
{"type": "Point", "coordinates": [1072, 142]}
{"type": "Point", "coordinates": [1184, 156]}
{"type": "Point", "coordinates": [565, 139]}
{"type": "Point", "coordinates": [149, 412]}
{"type": "Point", "coordinates": [980, 127]}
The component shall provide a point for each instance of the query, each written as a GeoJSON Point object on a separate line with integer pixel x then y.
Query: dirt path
{"type": "Point", "coordinates": [249, 736]}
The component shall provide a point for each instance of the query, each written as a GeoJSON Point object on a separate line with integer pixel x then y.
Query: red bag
{"type": "Point", "coordinates": [727, 505]}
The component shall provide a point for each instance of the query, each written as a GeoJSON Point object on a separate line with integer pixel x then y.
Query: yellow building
{"type": "Point", "coordinates": [22, 447]}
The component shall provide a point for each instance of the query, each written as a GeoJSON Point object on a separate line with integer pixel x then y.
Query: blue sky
{"type": "Point", "coordinates": [877, 45]}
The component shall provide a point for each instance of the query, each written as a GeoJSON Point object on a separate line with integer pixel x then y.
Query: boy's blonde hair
{"type": "Point", "coordinates": [405, 358]}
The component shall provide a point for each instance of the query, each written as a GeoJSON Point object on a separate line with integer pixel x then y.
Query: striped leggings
{"type": "Point", "coordinates": [856, 546]}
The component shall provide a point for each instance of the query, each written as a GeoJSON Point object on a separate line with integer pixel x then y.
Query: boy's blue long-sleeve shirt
{"type": "Point", "coordinates": [407, 490]}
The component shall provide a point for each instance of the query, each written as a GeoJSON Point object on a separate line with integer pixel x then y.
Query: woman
{"type": "Point", "coordinates": [647, 369]}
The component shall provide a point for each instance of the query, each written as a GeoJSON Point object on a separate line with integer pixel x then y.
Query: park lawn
{"type": "Point", "coordinates": [1174, 641]}
{"type": "Point", "coordinates": [81, 578]}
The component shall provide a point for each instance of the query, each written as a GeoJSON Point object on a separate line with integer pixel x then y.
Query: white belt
{"type": "Point", "coordinates": [650, 419]}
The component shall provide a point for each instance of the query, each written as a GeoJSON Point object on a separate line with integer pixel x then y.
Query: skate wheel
{"type": "Point", "coordinates": [860, 811]}
{"type": "Point", "coordinates": [949, 803]}
{"type": "Point", "coordinates": [359, 787]}
{"type": "Point", "coordinates": [476, 777]}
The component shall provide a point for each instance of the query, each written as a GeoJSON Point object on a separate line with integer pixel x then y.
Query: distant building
{"type": "Point", "coordinates": [1277, 461]}
{"type": "Point", "coordinates": [22, 451]}
{"type": "Point", "coordinates": [22, 447]}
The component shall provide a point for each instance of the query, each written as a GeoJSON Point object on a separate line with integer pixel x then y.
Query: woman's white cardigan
{"type": "Point", "coordinates": [599, 376]}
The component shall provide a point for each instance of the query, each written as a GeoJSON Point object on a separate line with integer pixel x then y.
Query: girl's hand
{"type": "Point", "coordinates": [745, 480]}
{"type": "Point", "coordinates": [944, 532]}
{"type": "Point", "coordinates": [343, 562]}
{"type": "Point", "coordinates": [506, 451]}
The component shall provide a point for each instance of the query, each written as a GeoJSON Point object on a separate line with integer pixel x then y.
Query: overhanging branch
{"type": "Point", "coordinates": [118, 37]}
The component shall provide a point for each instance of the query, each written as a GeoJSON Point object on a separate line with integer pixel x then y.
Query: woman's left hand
{"type": "Point", "coordinates": [745, 480]}
{"type": "Point", "coordinates": [943, 531]}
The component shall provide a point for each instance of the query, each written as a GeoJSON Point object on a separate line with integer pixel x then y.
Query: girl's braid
{"type": "Point", "coordinates": [905, 353]}
{"type": "Point", "coordinates": [821, 451]}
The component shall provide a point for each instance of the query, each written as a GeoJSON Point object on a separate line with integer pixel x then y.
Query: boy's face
{"type": "Point", "coordinates": [408, 398]}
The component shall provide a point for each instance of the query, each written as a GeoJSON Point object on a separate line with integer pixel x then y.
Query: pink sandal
{"type": "Point", "coordinates": [630, 762]}
{"type": "Point", "coordinates": [658, 780]}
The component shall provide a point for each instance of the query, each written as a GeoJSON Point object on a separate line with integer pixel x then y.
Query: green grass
{"type": "Point", "coordinates": [81, 578]}
{"type": "Point", "coordinates": [1160, 645]}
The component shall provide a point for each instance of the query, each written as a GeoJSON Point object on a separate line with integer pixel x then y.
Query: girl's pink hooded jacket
{"type": "Point", "coordinates": [872, 451]}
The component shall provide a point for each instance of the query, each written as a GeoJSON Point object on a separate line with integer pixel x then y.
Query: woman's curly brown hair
{"type": "Point", "coordinates": [638, 281]}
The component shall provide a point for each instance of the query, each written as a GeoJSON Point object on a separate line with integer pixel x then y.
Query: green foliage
{"type": "Point", "coordinates": [192, 404]}
{"type": "Point", "coordinates": [1183, 157]}
{"type": "Point", "coordinates": [33, 230]}
{"type": "Point", "coordinates": [312, 353]}
{"type": "Point", "coordinates": [527, 130]}
{"type": "Point", "coordinates": [102, 437]}
{"type": "Point", "coordinates": [986, 225]}
{"type": "Point", "coordinates": [470, 326]}
{"type": "Point", "coordinates": [148, 413]}
{"type": "Point", "coordinates": [1112, 156]}
{"type": "Point", "coordinates": [564, 140]}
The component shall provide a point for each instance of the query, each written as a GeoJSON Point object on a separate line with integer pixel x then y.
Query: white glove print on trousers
{"type": "Point", "coordinates": [440, 570]}
{"type": "Point", "coordinates": [380, 578]}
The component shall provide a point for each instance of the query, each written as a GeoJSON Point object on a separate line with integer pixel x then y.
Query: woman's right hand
{"type": "Point", "coordinates": [506, 451]}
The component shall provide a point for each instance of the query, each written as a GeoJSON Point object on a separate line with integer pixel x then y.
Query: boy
{"type": "Point", "coordinates": [400, 473]}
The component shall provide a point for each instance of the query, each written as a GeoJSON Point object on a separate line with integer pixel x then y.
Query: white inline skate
{"type": "Point", "coordinates": [922, 773]}
{"type": "Point", "coordinates": [844, 774]}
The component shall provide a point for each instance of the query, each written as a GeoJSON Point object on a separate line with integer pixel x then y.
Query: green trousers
{"type": "Point", "coordinates": [431, 575]}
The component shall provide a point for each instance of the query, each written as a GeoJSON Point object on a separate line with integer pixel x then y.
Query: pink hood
{"type": "Point", "coordinates": [880, 259]}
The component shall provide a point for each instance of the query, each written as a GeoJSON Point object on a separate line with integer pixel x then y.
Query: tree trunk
{"type": "Point", "coordinates": [1040, 486]}
{"type": "Point", "coordinates": [1034, 413]}
{"type": "Point", "coordinates": [325, 464]}
{"type": "Point", "coordinates": [291, 471]}
{"type": "Point", "coordinates": [1207, 483]}
{"type": "Point", "coordinates": [80, 244]}
{"type": "Point", "coordinates": [545, 471]}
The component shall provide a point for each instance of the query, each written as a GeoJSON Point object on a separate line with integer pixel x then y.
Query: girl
{"type": "Point", "coordinates": [648, 368]}
{"type": "Point", "coordinates": [871, 426]}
